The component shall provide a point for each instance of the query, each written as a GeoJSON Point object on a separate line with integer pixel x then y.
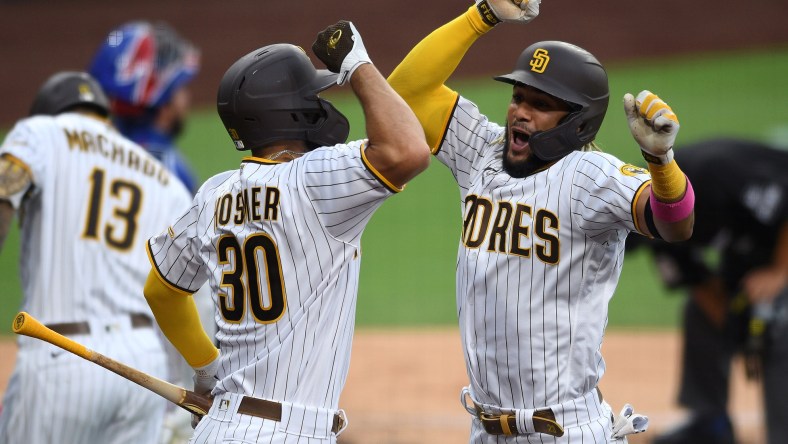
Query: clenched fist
{"type": "Point", "coordinates": [653, 125]}
{"type": "Point", "coordinates": [340, 47]}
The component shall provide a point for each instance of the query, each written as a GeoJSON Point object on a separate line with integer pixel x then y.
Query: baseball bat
{"type": "Point", "coordinates": [25, 324]}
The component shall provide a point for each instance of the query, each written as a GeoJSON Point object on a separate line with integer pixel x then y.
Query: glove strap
{"type": "Point", "coordinates": [658, 160]}
{"type": "Point", "coordinates": [487, 14]}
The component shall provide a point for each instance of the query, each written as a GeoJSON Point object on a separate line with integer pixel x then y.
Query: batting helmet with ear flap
{"type": "Point", "coordinates": [271, 94]}
{"type": "Point", "coordinates": [68, 89]}
{"type": "Point", "coordinates": [141, 64]}
{"type": "Point", "coordinates": [573, 75]}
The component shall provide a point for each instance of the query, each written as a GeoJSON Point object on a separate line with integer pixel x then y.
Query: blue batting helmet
{"type": "Point", "coordinates": [141, 64]}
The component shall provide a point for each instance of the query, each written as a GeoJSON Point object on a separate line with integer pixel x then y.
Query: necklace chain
{"type": "Point", "coordinates": [293, 154]}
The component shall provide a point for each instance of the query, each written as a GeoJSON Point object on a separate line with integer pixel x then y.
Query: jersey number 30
{"type": "Point", "coordinates": [257, 247]}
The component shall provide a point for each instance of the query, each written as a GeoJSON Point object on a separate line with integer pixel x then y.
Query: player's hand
{"type": "Point", "coordinates": [340, 47]}
{"type": "Point", "coordinates": [204, 381]}
{"type": "Point", "coordinates": [518, 11]}
{"type": "Point", "coordinates": [765, 284]}
{"type": "Point", "coordinates": [653, 125]}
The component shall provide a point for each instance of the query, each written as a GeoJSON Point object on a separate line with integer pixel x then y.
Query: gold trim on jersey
{"type": "Point", "coordinates": [160, 275]}
{"type": "Point", "coordinates": [446, 121]}
{"type": "Point", "coordinates": [262, 160]}
{"type": "Point", "coordinates": [393, 188]}
{"type": "Point", "coordinates": [634, 208]}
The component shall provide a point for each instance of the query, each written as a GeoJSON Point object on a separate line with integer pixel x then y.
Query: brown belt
{"type": "Point", "coordinates": [272, 410]}
{"type": "Point", "coordinates": [544, 422]}
{"type": "Point", "coordinates": [138, 320]}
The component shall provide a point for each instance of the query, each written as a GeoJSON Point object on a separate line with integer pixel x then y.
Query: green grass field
{"type": "Point", "coordinates": [410, 246]}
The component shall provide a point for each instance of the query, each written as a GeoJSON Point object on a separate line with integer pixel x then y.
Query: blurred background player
{"type": "Point", "coordinates": [735, 271]}
{"type": "Point", "coordinates": [87, 199]}
{"type": "Point", "coordinates": [146, 68]}
{"type": "Point", "coordinates": [545, 219]}
{"type": "Point", "coordinates": [279, 240]}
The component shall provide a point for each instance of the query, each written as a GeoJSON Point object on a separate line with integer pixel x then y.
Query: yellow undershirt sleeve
{"type": "Point", "coordinates": [179, 320]}
{"type": "Point", "coordinates": [667, 181]}
{"type": "Point", "coordinates": [420, 77]}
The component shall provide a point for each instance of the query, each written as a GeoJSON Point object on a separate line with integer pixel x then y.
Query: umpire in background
{"type": "Point", "coordinates": [738, 303]}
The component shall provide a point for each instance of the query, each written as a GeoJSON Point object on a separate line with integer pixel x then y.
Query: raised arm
{"type": "Point", "coordinates": [420, 78]}
{"type": "Point", "coordinates": [397, 148]}
{"type": "Point", "coordinates": [667, 208]}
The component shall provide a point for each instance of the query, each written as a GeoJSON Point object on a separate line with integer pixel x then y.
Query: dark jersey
{"type": "Point", "coordinates": [741, 201]}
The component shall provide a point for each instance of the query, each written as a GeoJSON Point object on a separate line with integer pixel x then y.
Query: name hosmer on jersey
{"type": "Point", "coordinates": [92, 143]}
{"type": "Point", "coordinates": [255, 204]}
{"type": "Point", "coordinates": [504, 225]}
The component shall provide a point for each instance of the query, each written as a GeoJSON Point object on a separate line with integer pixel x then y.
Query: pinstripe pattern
{"type": "Point", "coordinates": [538, 263]}
{"type": "Point", "coordinates": [326, 198]}
{"type": "Point", "coordinates": [68, 275]}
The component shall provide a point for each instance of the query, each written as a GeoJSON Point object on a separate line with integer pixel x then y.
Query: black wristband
{"type": "Point", "coordinates": [487, 14]}
{"type": "Point", "coordinates": [650, 158]}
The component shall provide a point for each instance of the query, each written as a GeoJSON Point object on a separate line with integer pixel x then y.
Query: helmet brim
{"type": "Point", "coordinates": [324, 79]}
{"type": "Point", "coordinates": [544, 85]}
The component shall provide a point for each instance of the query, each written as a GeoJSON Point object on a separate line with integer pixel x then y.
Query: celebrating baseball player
{"type": "Point", "coordinates": [278, 240]}
{"type": "Point", "coordinates": [87, 199]}
{"type": "Point", "coordinates": [545, 217]}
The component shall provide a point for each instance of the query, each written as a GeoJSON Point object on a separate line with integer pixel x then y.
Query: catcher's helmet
{"type": "Point", "coordinates": [271, 94]}
{"type": "Point", "coordinates": [66, 90]}
{"type": "Point", "coordinates": [141, 64]}
{"type": "Point", "coordinates": [573, 75]}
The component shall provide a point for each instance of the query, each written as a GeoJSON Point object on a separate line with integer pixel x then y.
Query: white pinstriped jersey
{"type": "Point", "coordinates": [96, 198]}
{"type": "Point", "coordinates": [279, 244]}
{"type": "Point", "coordinates": [538, 262]}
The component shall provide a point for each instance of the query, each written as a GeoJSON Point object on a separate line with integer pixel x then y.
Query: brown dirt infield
{"type": "Point", "coordinates": [404, 385]}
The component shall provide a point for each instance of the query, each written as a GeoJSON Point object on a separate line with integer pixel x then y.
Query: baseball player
{"type": "Point", "coordinates": [146, 69]}
{"type": "Point", "coordinates": [737, 303]}
{"type": "Point", "coordinates": [545, 217]}
{"type": "Point", "coordinates": [278, 240]}
{"type": "Point", "coordinates": [87, 199]}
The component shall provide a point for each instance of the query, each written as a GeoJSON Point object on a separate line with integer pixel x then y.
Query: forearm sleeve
{"type": "Point", "coordinates": [667, 181]}
{"type": "Point", "coordinates": [420, 77]}
{"type": "Point", "coordinates": [177, 316]}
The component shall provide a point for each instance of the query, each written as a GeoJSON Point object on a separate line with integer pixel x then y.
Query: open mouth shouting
{"type": "Point", "coordinates": [518, 140]}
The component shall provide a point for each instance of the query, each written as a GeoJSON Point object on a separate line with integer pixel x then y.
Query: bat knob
{"type": "Point", "coordinates": [19, 321]}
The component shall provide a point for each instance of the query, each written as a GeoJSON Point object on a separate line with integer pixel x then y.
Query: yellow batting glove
{"type": "Point", "coordinates": [653, 125]}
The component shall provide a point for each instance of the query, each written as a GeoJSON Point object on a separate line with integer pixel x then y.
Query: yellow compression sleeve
{"type": "Point", "coordinates": [667, 181]}
{"type": "Point", "coordinates": [179, 320]}
{"type": "Point", "coordinates": [420, 77]}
